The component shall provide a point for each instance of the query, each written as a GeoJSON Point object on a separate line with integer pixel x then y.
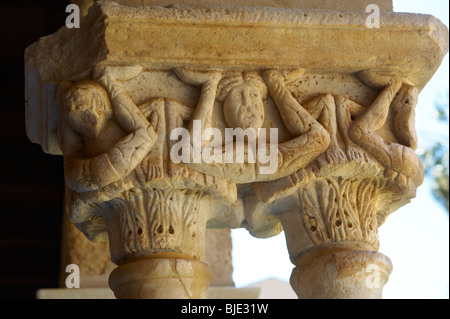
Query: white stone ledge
{"type": "Point", "coordinates": [106, 293]}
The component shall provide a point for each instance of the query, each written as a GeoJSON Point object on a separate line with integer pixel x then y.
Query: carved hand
{"type": "Point", "coordinates": [380, 79]}
{"type": "Point", "coordinates": [129, 116]}
{"type": "Point", "coordinates": [288, 76]}
{"type": "Point", "coordinates": [198, 78]}
{"type": "Point", "coordinates": [120, 73]}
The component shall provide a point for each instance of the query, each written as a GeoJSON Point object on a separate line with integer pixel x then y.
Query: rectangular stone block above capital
{"type": "Point", "coordinates": [354, 5]}
{"type": "Point", "coordinates": [241, 38]}
{"type": "Point", "coordinates": [228, 38]}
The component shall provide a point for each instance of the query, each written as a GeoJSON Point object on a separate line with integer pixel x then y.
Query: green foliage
{"type": "Point", "coordinates": [436, 160]}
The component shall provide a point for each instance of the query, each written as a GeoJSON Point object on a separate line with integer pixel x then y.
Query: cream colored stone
{"type": "Point", "coordinates": [74, 293]}
{"type": "Point", "coordinates": [84, 5]}
{"type": "Point", "coordinates": [111, 95]}
{"type": "Point", "coordinates": [357, 5]}
{"type": "Point", "coordinates": [342, 275]}
{"type": "Point", "coordinates": [257, 38]}
{"type": "Point", "coordinates": [93, 259]}
{"type": "Point", "coordinates": [218, 248]}
{"type": "Point", "coordinates": [106, 293]}
{"type": "Point", "coordinates": [161, 278]}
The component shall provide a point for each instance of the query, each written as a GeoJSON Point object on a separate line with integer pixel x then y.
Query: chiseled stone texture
{"type": "Point", "coordinates": [106, 293]}
{"type": "Point", "coordinates": [340, 95]}
{"type": "Point", "coordinates": [342, 275]}
{"type": "Point", "coordinates": [95, 264]}
{"type": "Point", "coordinates": [256, 38]}
{"type": "Point", "coordinates": [358, 5]}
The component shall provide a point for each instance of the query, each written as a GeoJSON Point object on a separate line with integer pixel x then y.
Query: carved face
{"type": "Point", "coordinates": [86, 110]}
{"type": "Point", "coordinates": [243, 107]}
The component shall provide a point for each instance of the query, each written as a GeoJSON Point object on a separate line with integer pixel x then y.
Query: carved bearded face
{"type": "Point", "coordinates": [86, 109]}
{"type": "Point", "coordinates": [243, 107]}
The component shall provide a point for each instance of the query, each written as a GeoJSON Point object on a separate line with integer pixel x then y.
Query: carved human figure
{"type": "Point", "coordinates": [402, 98]}
{"type": "Point", "coordinates": [323, 109]}
{"type": "Point", "coordinates": [104, 135]}
{"type": "Point", "coordinates": [117, 169]}
{"type": "Point", "coordinates": [346, 112]}
{"type": "Point", "coordinates": [242, 95]}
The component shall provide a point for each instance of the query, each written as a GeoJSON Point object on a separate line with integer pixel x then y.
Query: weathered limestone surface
{"type": "Point", "coordinates": [106, 293]}
{"type": "Point", "coordinates": [163, 38]}
{"type": "Point", "coordinates": [128, 97]}
{"type": "Point", "coordinates": [218, 256]}
{"type": "Point", "coordinates": [352, 5]}
{"type": "Point", "coordinates": [342, 275]}
{"type": "Point", "coordinates": [94, 259]}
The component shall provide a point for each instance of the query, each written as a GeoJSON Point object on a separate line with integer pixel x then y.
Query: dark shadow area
{"type": "Point", "coordinates": [31, 182]}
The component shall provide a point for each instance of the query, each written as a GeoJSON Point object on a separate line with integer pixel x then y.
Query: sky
{"type": "Point", "coordinates": [415, 237]}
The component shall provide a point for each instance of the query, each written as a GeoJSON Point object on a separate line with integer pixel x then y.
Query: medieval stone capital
{"type": "Point", "coordinates": [177, 118]}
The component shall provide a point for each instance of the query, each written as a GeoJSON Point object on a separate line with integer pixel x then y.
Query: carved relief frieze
{"type": "Point", "coordinates": [126, 133]}
{"type": "Point", "coordinates": [179, 118]}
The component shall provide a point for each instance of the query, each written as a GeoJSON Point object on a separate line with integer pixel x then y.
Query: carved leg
{"type": "Point", "coordinates": [404, 120]}
{"type": "Point", "coordinates": [346, 111]}
{"type": "Point", "coordinates": [391, 155]}
{"type": "Point", "coordinates": [332, 239]}
{"type": "Point", "coordinates": [323, 109]}
{"type": "Point", "coordinates": [157, 238]}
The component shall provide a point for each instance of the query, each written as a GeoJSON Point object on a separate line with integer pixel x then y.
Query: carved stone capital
{"type": "Point", "coordinates": [176, 119]}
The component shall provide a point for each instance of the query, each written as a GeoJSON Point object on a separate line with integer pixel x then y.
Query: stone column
{"type": "Point", "coordinates": [127, 97]}
{"type": "Point", "coordinates": [331, 230]}
{"type": "Point", "coordinates": [94, 260]}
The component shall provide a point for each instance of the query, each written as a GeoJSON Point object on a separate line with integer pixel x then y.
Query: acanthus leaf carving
{"type": "Point", "coordinates": [338, 211]}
